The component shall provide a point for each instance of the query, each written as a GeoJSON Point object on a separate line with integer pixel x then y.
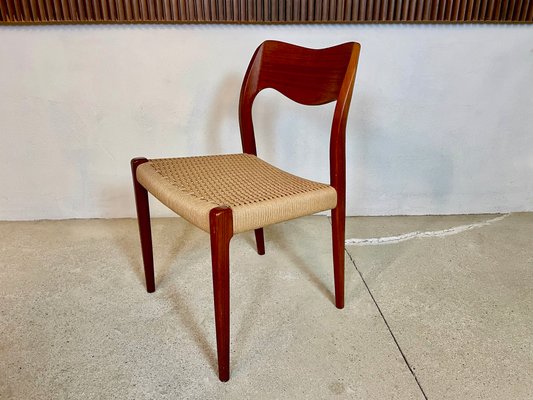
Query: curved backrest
{"type": "Point", "coordinates": [307, 76]}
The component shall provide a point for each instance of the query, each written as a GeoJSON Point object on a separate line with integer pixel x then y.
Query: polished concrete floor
{"type": "Point", "coordinates": [436, 308]}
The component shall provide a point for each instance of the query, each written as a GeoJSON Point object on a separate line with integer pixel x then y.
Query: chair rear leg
{"type": "Point", "coordinates": [143, 218]}
{"type": "Point", "coordinates": [338, 227]}
{"type": "Point", "coordinates": [260, 240]}
{"type": "Point", "coordinates": [221, 231]}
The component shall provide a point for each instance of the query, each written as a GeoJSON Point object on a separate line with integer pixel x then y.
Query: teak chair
{"type": "Point", "coordinates": [229, 194]}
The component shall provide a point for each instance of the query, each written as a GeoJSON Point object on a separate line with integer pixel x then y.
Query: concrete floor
{"type": "Point", "coordinates": [446, 316]}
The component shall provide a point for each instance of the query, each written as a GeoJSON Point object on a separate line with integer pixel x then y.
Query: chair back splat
{"type": "Point", "coordinates": [306, 76]}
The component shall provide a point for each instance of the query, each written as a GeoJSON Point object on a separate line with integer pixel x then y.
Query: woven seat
{"type": "Point", "coordinates": [258, 193]}
{"type": "Point", "coordinates": [233, 193]}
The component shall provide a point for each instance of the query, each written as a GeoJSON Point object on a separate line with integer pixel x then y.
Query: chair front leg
{"type": "Point", "coordinates": [221, 231]}
{"type": "Point", "coordinates": [338, 215]}
{"type": "Point", "coordinates": [145, 231]}
{"type": "Point", "coordinates": [260, 240]}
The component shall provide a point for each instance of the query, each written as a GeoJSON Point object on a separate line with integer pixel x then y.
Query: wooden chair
{"type": "Point", "coordinates": [229, 194]}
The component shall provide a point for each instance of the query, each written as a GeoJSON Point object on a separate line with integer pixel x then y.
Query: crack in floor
{"type": "Point", "coordinates": [388, 327]}
{"type": "Point", "coordinates": [419, 234]}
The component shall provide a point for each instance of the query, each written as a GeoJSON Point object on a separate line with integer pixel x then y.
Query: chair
{"type": "Point", "coordinates": [228, 194]}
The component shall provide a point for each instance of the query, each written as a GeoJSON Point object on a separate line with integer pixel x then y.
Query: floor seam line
{"type": "Point", "coordinates": [387, 325]}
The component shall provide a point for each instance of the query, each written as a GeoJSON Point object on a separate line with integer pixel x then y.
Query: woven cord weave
{"type": "Point", "coordinates": [255, 190]}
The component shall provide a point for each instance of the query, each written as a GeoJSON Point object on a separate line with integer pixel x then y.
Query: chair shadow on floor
{"type": "Point", "coordinates": [302, 264]}
{"type": "Point", "coordinates": [296, 260]}
{"type": "Point", "coordinates": [189, 320]}
{"type": "Point", "coordinates": [181, 232]}
{"type": "Point", "coordinates": [128, 243]}
{"type": "Point", "coordinates": [170, 241]}
{"type": "Point", "coordinates": [277, 242]}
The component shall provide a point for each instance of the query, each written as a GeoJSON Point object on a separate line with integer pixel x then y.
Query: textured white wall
{"type": "Point", "coordinates": [441, 120]}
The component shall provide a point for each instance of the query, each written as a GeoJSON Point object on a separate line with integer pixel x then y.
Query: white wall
{"type": "Point", "coordinates": [441, 120]}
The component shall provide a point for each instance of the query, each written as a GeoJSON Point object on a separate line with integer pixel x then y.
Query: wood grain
{"type": "Point", "coordinates": [265, 11]}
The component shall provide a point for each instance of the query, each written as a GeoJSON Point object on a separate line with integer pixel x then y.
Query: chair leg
{"type": "Point", "coordinates": [338, 225]}
{"type": "Point", "coordinates": [143, 218]}
{"type": "Point", "coordinates": [221, 231]}
{"type": "Point", "coordinates": [260, 240]}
